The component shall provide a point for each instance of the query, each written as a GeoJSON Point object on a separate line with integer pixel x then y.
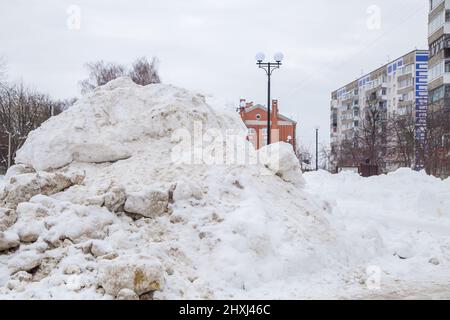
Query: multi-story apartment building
{"type": "Point", "coordinates": [439, 63]}
{"type": "Point", "coordinates": [397, 88]}
{"type": "Point", "coordinates": [438, 124]}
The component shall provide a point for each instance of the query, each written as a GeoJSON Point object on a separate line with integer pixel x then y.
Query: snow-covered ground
{"type": "Point", "coordinates": [407, 216]}
{"type": "Point", "coordinates": [112, 199]}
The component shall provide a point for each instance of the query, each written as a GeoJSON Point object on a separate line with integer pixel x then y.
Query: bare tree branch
{"type": "Point", "coordinates": [100, 73]}
{"type": "Point", "coordinates": [145, 73]}
{"type": "Point", "coordinates": [21, 111]}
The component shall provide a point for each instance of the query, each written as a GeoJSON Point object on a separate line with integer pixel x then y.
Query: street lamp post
{"type": "Point", "coordinates": [269, 67]}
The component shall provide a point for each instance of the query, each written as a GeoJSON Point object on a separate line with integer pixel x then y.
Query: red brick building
{"type": "Point", "coordinates": [255, 118]}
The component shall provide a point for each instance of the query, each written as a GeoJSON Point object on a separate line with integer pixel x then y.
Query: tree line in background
{"type": "Point", "coordinates": [23, 109]}
{"type": "Point", "coordinates": [389, 141]}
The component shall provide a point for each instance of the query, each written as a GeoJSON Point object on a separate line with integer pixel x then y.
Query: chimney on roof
{"type": "Point", "coordinates": [274, 116]}
{"type": "Point", "coordinates": [275, 107]}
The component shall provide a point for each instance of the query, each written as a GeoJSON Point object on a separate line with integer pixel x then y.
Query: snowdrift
{"type": "Point", "coordinates": [99, 207]}
{"type": "Point", "coordinates": [154, 193]}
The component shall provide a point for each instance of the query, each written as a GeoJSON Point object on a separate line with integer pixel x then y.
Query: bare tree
{"type": "Point", "coordinates": [401, 144]}
{"type": "Point", "coordinates": [435, 150]}
{"type": "Point", "coordinates": [304, 155]}
{"type": "Point", "coordinates": [348, 153]}
{"type": "Point", "coordinates": [325, 157]}
{"type": "Point", "coordinates": [371, 136]}
{"type": "Point", "coordinates": [145, 73]}
{"type": "Point", "coordinates": [100, 73]}
{"type": "Point", "coordinates": [21, 111]}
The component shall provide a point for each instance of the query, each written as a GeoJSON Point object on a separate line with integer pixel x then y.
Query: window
{"type": "Point", "coordinates": [251, 136]}
{"type": "Point", "coordinates": [447, 65]}
{"type": "Point", "coordinates": [263, 137]}
{"type": "Point", "coordinates": [407, 69]}
{"type": "Point", "coordinates": [436, 71]}
{"type": "Point", "coordinates": [447, 15]}
{"type": "Point", "coordinates": [405, 83]}
{"type": "Point", "coordinates": [434, 4]}
{"type": "Point", "coordinates": [436, 23]}
{"type": "Point", "coordinates": [258, 116]}
{"type": "Point", "coordinates": [437, 94]}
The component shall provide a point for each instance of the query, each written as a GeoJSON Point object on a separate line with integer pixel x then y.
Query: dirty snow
{"type": "Point", "coordinates": [99, 208]}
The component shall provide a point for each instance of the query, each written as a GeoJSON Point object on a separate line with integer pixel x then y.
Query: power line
{"type": "Point", "coordinates": [331, 66]}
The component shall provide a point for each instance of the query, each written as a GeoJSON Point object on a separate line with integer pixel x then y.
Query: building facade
{"type": "Point", "coordinates": [439, 63]}
{"type": "Point", "coordinates": [397, 88]}
{"type": "Point", "coordinates": [438, 133]}
{"type": "Point", "coordinates": [255, 118]}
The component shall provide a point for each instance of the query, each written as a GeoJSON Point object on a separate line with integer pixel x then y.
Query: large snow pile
{"type": "Point", "coordinates": [101, 206]}
{"type": "Point", "coordinates": [154, 193]}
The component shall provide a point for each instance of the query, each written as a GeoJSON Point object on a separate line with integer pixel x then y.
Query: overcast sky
{"type": "Point", "coordinates": [209, 45]}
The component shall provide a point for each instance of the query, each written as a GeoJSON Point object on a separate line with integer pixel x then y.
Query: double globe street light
{"type": "Point", "coordinates": [269, 67]}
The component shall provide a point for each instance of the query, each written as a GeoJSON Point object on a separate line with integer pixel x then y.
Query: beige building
{"type": "Point", "coordinates": [439, 63]}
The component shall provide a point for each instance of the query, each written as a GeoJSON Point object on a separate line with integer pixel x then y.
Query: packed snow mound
{"type": "Point", "coordinates": [281, 161]}
{"type": "Point", "coordinates": [97, 207]}
{"type": "Point", "coordinates": [115, 121]}
{"type": "Point", "coordinates": [406, 215]}
{"type": "Point", "coordinates": [405, 191]}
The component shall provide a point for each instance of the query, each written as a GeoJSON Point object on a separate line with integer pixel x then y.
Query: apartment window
{"type": "Point", "coordinates": [406, 83]}
{"type": "Point", "coordinates": [437, 94]}
{"type": "Point", "coordinates": [436, 71]}
{"type": "Point", "coordinates": [404, 97]}
{"type": "Point", "coordinates": [383, 91]}
{"type": "Point", "coordinates": [436, 23]}
{"type": "Point", "coordinates": [434, 4]}
{"type": "Point", "coordinates": [447, 15]}
{"type": "Point", "coordinates": [407, 69]}
{"type": "Point", "coordinates": [447, 65]}
{"type": "Point", "coordinates": [356, 123]}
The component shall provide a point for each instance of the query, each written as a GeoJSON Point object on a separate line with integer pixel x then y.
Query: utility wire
{"type": "Point", "coordinates": [331, 67]}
